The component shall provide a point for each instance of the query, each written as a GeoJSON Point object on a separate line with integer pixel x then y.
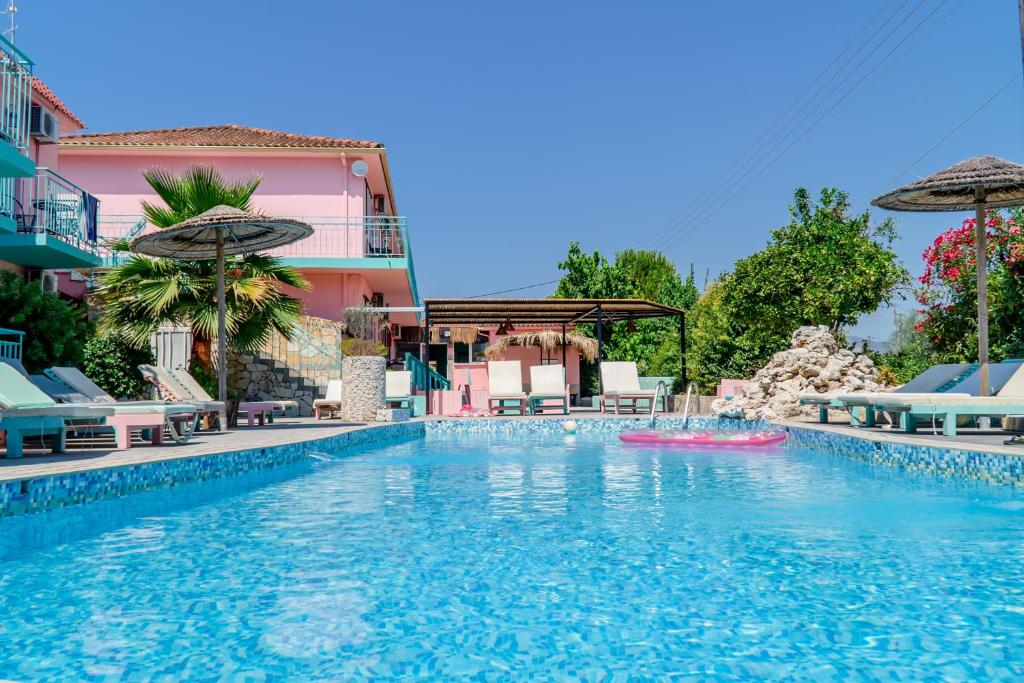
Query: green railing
{"type": "Point", "coordinates": [15, 95]}
{"type": "Point", "coordinates": [50, 203]}
{"type": "Point", "coordinates": [423, 376]}
{"type": "Point", "coordinates": [10, 344]}
{"type": "Point", "coordinates": [115, 230]}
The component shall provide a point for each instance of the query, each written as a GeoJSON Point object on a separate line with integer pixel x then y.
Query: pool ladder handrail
{"type": "Point", "coordinates": [686, 405]}
{"type": "Point", "coordinates": [661, 388]}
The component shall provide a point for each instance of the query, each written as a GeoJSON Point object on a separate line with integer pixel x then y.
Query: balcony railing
{"type": "Point", "coordinates": [115, 230]}
{"type": "Point", "coordinates": [350, 237]}
{"type": "Point", "coordinates": [48, 203]}
{"type": "Point", "coordinates": [15, 95]}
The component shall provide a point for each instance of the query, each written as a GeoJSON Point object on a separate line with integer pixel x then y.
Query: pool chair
{"type": "Point", "coordinates": [331, 402]}
{"type": "Point", "coordinates": [155, 417]}
{"type": "Point", "coordinates": [937, 378]}
{"type": "Point", "coordinates": [168, 388]}
{"type": "Point", "coordinates": [26, 411]}
{"type": "Point", "coordinates": [505, 378]}
{"type": "Point", "coordinates": [950, 408]}
{"type": "Point", "coordinates": [261, 411]}
{"type": "Point", "coordinates": [398, 388]}
{"type": "Point", "coordinates": [620, 386]}
{"type": "Point", "coordinates": [548, 389]}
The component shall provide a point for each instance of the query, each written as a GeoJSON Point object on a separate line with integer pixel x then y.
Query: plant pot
{"type": "Point", "coordinates": [362, 393]}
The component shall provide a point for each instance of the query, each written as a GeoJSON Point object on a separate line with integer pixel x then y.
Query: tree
{"type": "Point", "coordinates": [140, 295]}
{"type": "Point", "coordinates": [826, 267]}
{"type": "Point", "coordinates": [114, 365]}
{"type": "Point", "coordinates": [55, 330]}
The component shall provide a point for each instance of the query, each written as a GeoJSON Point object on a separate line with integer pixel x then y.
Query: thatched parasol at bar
{"type": "Point", "coordinates": [221, 231]}
{"type": "Point", "coordinates": [980, 183]}
{"type": "Point", "coordinates": [548, 340]}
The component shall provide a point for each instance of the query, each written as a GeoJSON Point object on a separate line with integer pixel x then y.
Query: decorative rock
{"type": "Point", "coordinates": [814, 363]}
{"type": "Point", "coordinates": [362, 393]}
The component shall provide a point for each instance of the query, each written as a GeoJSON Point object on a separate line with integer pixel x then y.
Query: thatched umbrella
{"type": "Point", "coordinates": [221, 231]}
{"type": "Point", "coordinates": [978, 183]}
{"type": "Point", "coordinates": [548, 340]}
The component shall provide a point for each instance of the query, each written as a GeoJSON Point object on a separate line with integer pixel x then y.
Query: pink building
{"type": "Point", "coordinates": [359, 253]}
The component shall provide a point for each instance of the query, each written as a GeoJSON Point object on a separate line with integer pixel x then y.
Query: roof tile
{"type": "Point", "coordinates": [44, 91]}
{"type": "Point", "coordinates": [229, 135]}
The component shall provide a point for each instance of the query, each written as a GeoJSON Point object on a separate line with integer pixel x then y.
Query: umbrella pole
{"type": "Point", "coordinates": [222, 368]}
{"type": "Point", "coordinates": [981, 259]}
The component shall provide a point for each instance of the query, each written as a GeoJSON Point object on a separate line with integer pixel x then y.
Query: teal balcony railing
{"type": "Point", "coordinates": [350, 237]}
{"type": "Point", "coordinates": [115, 230]}
{"type": "Point", "coordinates": [424, 376]}
{"type": "Point", "coordinates": [10, 344]}
{"type": "Point", "coordinates": [50, 203]}
{"type": "Point", "coordinates": [15, 95]}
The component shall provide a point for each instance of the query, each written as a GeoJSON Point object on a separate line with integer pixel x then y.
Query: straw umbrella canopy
{"type": "Point", "coordinates": [980, 183]}
{"type": "Point", "coordinates": [548, 340]}
{"type": "Point", "coordinates": [221, 231]}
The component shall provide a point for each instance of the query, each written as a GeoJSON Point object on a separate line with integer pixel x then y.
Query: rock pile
{"type": "Point", "coordinates": [814, 363]}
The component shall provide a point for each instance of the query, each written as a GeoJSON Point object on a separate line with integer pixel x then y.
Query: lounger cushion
{"type": "Point", "coordinates": [153, 408]}
{"type": "Point", "coordinates": [68, 410]}
{"type": "Point", "coordinates": [17, 392]}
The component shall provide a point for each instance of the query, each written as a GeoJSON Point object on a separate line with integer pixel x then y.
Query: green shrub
{"type": "Point", "coordinates": [55, 330]}
{"type": "Point", "coordinates": [363, 347]}
{"type": "Point", "coordinates": [113, 363]}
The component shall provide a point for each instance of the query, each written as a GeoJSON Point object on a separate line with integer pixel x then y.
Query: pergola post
{"type": "Point", "coordinates": [600, 347]}
{"type": "Point", "coordinates": [425, 358]}
{"type": "Point", "coordinates": [682, 350]}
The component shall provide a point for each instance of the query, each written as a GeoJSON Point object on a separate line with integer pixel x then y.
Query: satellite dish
{"type": "Point", "coordinates": [360, 168]}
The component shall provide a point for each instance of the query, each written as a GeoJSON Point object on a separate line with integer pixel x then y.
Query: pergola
{"type": "Point", "coordinates": [562, 313]}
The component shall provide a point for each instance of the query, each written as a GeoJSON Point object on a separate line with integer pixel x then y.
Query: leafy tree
{"type": "Point", "coordinates": [114, 365]}
{"type": "Point", "coordinates": [140, 295]}
{"type": "Point", "coordinates": [55, 330]}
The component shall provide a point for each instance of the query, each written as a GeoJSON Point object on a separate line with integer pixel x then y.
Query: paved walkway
{"type": "Point", "coordinates": [40, 463]}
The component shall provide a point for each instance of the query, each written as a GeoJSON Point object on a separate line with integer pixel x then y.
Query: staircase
{"type": "Point", "coordinates": [312, 355]}
{"type": "Point", "coordinates": [423, 376]}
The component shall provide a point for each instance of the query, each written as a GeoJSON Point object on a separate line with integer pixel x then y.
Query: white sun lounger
{"type": "Point", "coordinates": [255, 410]}
{"type": "Point", "coordinates": [505, 379]}
{"type": "Point", "coordinates": [547, 384]}
{"type": "Point", "coordinates": [398, 388]}
{"type": "Point", "coordinates": [169, 388]}
{"type": "Point", "coordinates": [620, 385]}
{"type": "Point", "coordinates": [331, 402]}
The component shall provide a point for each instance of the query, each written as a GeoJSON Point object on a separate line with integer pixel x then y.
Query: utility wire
{"type": "Point", "coordinates": [747, 180]}
{"type": "Point", "coordinates": [515, 289]}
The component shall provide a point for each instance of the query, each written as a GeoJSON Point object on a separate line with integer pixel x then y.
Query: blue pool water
{"type": "Point", "coordinates": [525, 558]}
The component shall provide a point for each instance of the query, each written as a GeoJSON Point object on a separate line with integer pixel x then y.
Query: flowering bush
{"type": "Point", "coordinates": [948, 289]}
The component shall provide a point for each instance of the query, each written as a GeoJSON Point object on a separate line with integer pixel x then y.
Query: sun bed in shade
{"type": "Point", "coordinates": [331, 402]}
{"type": "Point", "coordinates": [178, 419]}
{"type": "Point", "coordinates": [398, 388]}
{"type": "Point", "coordinates": [548, 389]}
{"type": "Point", "coordinates": [26, 411]}
{"type": "Point", "coordinates": [505, 379]}
{"type": "Point", "coordinates": [255, 410]}
{"type": "Point", "coordinates": [620, 385]}
{"type": "Point", "coordinates": [935, 378]}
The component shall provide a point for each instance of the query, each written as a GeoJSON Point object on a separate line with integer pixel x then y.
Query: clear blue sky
{"type": "Point", "coordinates": [513, 128]}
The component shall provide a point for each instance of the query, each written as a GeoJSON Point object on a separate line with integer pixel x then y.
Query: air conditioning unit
{"type": "Point", "coordinates": [48, 283]}
{"type": "Point", "coordinates": [43, 124]}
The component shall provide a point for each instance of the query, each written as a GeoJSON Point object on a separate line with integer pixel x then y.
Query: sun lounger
{"type": "Point", "coordinates": [949, 408]}
{"type": "Point", "coordinates": [26, 411]}
{"type": "Point", "coordinates": [505, 379]}
{"type": "Point", "coordinates": [170, 389]}
{"type": "Point", "coordinates": [547, 384]}
{"type": "Point", "coordinates": [254, 410]}
{"type": "Point", "coordinates": [398, 388]}
{"type": "Point", "coordinates": [331, 402]}
{"type": "Point", "coordinates": [65, 384]}
{"type": "Point", "coordinates": [937, 378]}
{"type": "Point", "coordinates": [620, 385]}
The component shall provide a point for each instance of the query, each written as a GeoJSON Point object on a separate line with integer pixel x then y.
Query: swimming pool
{"type": "Point", "coordinates": [524, 556]}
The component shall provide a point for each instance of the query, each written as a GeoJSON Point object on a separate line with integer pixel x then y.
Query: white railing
{"type": "Point", "coordinates": [350, 237]}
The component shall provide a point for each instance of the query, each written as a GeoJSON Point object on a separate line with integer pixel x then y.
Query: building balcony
{"type": "Point", "coordinates": [15, 111]}
{"type": "Point", "coordinates": [47, 222]}
{"type": "Point", "coordinates": [114, 232]}
{"type": "Point", "coordinates": [374, 241]}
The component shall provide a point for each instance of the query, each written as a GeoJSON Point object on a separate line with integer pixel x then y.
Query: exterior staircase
{"type": "Point", "coordinates": [312, 356]}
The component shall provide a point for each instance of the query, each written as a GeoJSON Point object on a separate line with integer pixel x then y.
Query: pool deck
{"type": "Point", "coordinates": [292, 430]}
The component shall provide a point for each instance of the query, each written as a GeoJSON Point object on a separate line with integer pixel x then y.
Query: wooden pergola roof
{"type": "Point", "coordinates": [541, 311]}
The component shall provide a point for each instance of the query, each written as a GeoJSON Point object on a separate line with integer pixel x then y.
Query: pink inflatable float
{"type": "Point", "coordinates": [687, 438]}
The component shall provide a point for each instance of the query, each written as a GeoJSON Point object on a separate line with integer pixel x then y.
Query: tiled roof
{"type": "Point", "coordinates": [44, 91]}
{"type": "Point", "coordinates": [229, 135]}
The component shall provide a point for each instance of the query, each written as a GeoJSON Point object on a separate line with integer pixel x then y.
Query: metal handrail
{"type": "Point", "coordinates": [661, 388]}
{"type": "Point", "coordinates": [423, 376]}
{"type": "Point", "coordinates": [686, 405]}
{"type": "Point", "coordinates": [350, 237]}
{"type": "Point", "coordinates": [11, 348]}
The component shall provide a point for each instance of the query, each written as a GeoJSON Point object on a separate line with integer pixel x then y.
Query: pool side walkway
{"type": "Point", "coordinates": [294, 430]}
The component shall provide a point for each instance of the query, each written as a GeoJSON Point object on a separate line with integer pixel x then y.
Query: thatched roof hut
{"type": "Point", "coordinates": [549, 340]}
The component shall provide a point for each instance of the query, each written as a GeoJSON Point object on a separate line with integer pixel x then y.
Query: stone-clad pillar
{"type": "Point", "coordinates": [362, 393]}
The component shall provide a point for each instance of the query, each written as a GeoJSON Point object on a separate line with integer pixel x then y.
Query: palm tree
{"type": "Point", "coordinates": [140, 295]}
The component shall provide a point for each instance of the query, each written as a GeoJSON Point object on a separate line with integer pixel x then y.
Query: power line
{"type": "Point", "coordinates": [782, 117]}
{"type": "Point", "coordinates": [515, 289]}
{"type": "Point", "coordinates": [676, 238]}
